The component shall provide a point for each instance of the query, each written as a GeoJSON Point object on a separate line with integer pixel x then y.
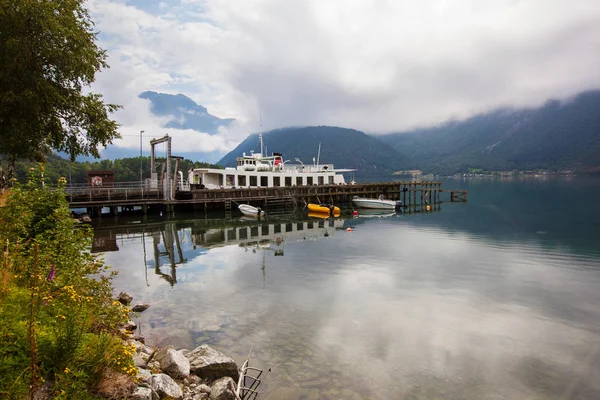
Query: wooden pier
{"type": "Point", "coordinates": [413, 194]}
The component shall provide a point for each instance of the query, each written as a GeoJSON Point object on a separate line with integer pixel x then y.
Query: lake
{"type": "Point", "coordinates": [498, 298]}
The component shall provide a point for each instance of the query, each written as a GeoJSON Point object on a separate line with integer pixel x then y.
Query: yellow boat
{"type": "Point", "coordinates": [323, 215]}
{"type": "Point", "coordinates": [322, 208]}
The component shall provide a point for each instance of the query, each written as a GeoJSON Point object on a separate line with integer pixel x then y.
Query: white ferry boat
{"type": "Point", "coordinates": [257, 170]}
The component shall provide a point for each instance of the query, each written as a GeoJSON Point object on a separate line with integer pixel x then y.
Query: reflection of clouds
{"type": "Point", "coordinates": [438, 310]}
{"type": "Point", "coordinates": [403, 307]}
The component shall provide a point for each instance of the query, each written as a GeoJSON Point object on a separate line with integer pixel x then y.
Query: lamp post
{"type": "Point", "coordinates": [297, 159]}
{"type": "Point", "coordinates": [141, 180]}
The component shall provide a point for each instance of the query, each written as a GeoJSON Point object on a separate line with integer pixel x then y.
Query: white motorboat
{"type": "Point", "coordinates": [379, 203]}
{"type": "Point", "coordinates": [251, 211]}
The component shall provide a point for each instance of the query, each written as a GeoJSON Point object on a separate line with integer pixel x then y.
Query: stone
{"type": "Point", "coordinates": [130, 326]}
{"type": "Point", "coordinates": [140, 307]}
{"type": "Point", "coordinates": [173, 362]}
{"type": "Point", "coordinates": [139, 361]}
{"type": "Point", "coordinates": [223, 389]}
{"type": "Point", "coordinates": [209, 363]}
{"type": "Point", "coordinates": [143, 374]}
{"type": "Point", "coordinates": [153, 365]}
{"type": "Point", "coordinates": [124, 298]}
{"type": "Point", "coordinates": [165, 386]}
{"type": "Point", "coordinates": [143, 393]}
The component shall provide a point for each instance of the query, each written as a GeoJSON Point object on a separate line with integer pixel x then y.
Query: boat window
{"type": "Point", "coordinates": [264, 181]}
{"type": "Point", "coordinates": [330, 178]}
{"type": "Point", "coordinates": [230, 180]}
{"type": "Point", "coordinates": [231, 234]}
{"type": "Point", "coordinates": [253, 180]}
{"type": "Point", "coordinates": [242, 180]}
{"type": "Point", "coordinates": [300, 226]}
{"type": "Point", "coordinates": [309, 180]}
{"type": "Point", "coordinates": [289, 227]}
{"type": "Point", "coordinates": [321, 180]}
{"type": "Point", "coordinates": [254, 231]}
{"type": "Point", "coordinates": [288, 181]}
{"type": "Point", "coordinates": [298, 181]}
{"type": "Point", "coordinates": [276, 181]}
{"type": "Point", "coordinates": [243, 233]}
{"type": "Point", "coordinates": [277, 228]}
{"type": "Point", "coordinates": [264, 230]}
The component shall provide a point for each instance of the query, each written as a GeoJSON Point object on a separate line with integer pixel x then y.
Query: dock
{"type": "Point", "coordinates": [135, 196]}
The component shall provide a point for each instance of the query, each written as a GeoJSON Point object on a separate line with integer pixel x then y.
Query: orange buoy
{"type": "Point", "coordinates": [428, 208]}
{"type": "Point", "coordinates": [349, 229]}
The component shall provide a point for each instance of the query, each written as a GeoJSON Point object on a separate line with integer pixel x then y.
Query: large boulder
{"type": "Point", "coordinates": [173, 362]}
{"type": "Point", "coordinates": [165, 386]}
{"type": "Point", "coordinates": [223, 389]}
{"type": "Point", "coordinates": [209, 363]}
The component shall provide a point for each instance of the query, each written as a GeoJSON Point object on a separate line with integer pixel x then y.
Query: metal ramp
{"type": "Point", "coordinates": [249, 381]}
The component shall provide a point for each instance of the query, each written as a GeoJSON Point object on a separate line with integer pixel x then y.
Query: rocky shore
{"type": "Point", "coordinates": [168, 373]}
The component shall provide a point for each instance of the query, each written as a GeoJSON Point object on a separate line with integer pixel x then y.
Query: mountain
{"type": "Point", "coordinates": [185, 113]}
{"type": "Point", "coordinates": [345, 148]}
{"type": "Point", "coordinates": [558, 136]}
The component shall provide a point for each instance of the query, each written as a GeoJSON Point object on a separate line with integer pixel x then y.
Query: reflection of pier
{"type": "Point", "coordinates": [264, 233]}
{"type": "Point", "coordinates": [172, 244]}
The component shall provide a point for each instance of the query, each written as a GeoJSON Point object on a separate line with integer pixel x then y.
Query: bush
{"type": "Point", "coordinates": [58, 319]}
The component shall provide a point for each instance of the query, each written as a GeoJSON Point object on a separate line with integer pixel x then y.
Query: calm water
{"type": "Point", "coordinates": [498, 298]}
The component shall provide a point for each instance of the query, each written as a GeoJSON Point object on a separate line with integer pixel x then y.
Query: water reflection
{"type": "Point", "coordinates": [400, 307]}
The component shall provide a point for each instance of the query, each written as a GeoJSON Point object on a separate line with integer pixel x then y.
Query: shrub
{"type": "Point", "coordinates": [58, 319]}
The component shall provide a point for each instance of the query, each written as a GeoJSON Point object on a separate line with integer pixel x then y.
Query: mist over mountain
{"type": "Point", "coordinates": [184, 112]}
{"type": "Point", "coordinates": [560, 135]}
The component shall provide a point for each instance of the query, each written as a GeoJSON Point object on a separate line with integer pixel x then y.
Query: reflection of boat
{"type": "Point", "coordinates": [322, 208]}
{"type": "Point", "coordinates": [372, 213]}
{"type": "Point", "coordinates": [379, 203]}
{"type": "Point", "coordinates": [251, 211]}
{"type": "Point", "coordinates": [323, 215]}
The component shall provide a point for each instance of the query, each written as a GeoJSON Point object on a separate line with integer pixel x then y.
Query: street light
{"type": "Point", "coordinates": [141, 180]}
{"type": "Point", "coordinates": [297, 159]}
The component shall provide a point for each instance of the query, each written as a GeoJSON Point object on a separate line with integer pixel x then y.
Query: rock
{"type": "Point", "coordinates": [139, 338]}
{"type": "Point", "coordinates": [223, 389]}
{"type": "Point", "coordinates": [165, 386]}
{"type": "Point", "coordinates": [143, 375]}
{"type": "Point", "coordinates": [130, 326]}
{"type": "Point", "coordinates": [140, 307]}
{"type": "Point", "coordinates": [204, 389]}
{"type": "Point", "coordinates": [173, 362]}
{"type": "Point", "coordinates": [153, 365]}
{"type": "Point", "coordinates": [208, 363]}
{"type": "Point", "coordinates": [124, 298]}
{"type": "Point", "coordinates": [144, 393]}
{"type": "Point", "coordinates": [140, 347]}
{"type": "Point", "coordinates": [139, 361]}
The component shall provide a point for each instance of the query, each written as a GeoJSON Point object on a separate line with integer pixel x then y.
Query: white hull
{"type": "Point", "coordinates": [378, 204]}
{"type": "Point", "coordinates": [251, 211]}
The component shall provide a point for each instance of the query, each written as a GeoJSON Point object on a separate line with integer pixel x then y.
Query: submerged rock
{"type": "Point", "coordinates": [124, 298]}
{"type": "Point", "coordinates": [140, 307]}
{"type": "Point", "coordinates": [209, 363]}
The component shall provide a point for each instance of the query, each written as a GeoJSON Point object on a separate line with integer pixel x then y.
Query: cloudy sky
{"type": "Point", "coordinates": [374, 65]}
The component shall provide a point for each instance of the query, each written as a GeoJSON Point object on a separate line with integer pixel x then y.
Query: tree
{"type": "Point", "coordinates": [48, 56]}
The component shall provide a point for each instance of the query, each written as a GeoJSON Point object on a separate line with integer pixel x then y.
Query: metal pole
{"type": "Point", "coordinates": [141, 180]}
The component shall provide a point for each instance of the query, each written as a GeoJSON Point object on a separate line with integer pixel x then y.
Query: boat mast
{"type": "Point", "coordinates": [260, 136]}
{"type": "Point", "coordinates": [318, 155]}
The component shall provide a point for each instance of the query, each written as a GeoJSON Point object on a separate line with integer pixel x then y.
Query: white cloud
{"type": "Point", "coordinates": [375, 66]}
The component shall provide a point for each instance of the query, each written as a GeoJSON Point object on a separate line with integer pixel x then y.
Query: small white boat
{"type": "Point", "coordinates": [379, 203]}
{"type": "Point", "coordinates": [251, 211]}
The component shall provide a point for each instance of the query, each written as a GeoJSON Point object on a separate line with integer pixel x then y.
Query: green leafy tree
{"type": "Point", "coordinates": [48, 58]}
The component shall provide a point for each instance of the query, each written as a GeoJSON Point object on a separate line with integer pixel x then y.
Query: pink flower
{"type": "Point", "coordinates": [51, 274]}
